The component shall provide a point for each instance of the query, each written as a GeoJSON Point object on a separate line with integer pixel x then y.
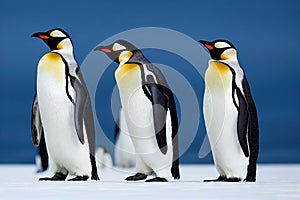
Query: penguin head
{"type": "Point", "coordinates": [120, 51]}
{"type": "Point", "coordinates": [56, 39]}
{"type": "Point", "coordinates": [220, 49]}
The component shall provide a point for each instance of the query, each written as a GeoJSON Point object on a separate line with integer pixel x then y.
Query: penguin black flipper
{"type": "Point", "coordinates": [162, 100]}
{"type": "Point", "coordinates": [73, 75]}
{"type": "Point", "coordinates": [242, 122]}
{"type": "Point", "coordinates": [253, 132]}
{"type": "Point", "coordinates": [90, 129]}
{"type": "Point", "coordinates": [87, 119]}
{"type": "Point", "coordinates": [80, 104]}
{"type": "Point", "coordinates": [174, 120]}
{"type": "Point", "coordinates": [36, 123]}
{"type": "Point", "coordinates": [160, 107]}
{"type": "Point", "coordinates": [83, 112]}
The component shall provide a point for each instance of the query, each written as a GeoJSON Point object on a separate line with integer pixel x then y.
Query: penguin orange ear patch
{"type": "Point", "coordinates": [60, 46]}
{"type": "Point", "coordinates": [208, 47]}
{"type": "Point", "coordinates": [223, 56]}
{"type": "Point", "coordinates": [106, 50]}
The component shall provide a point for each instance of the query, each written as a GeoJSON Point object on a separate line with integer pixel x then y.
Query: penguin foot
{"type": "Point", "coordinates": [95, 177]}
{"type": "Point", "coordinates": [219, 179]}
{"type": "Point", "coordinates": [79, 178]}
{"type": "Point", "coordinates": [136, 177]}
{"type": "Point", "coordinates": [157, 179]}
{"type": "Point", "coordinates": [250, 179]}
{"type": "Point", "coordinates": [57, 177]}
{"type": "Point", "coordinates": [233, 179]}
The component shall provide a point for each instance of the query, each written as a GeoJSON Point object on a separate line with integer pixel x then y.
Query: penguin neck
{"type": "Point", "coordinates": [138, 57]}
{"type": "Point", "coordinates": [124, 57]}
{"type": "Point", "coordinates": [65, 47]}
{"type": "Point", "coordinates": [230, 61]}
{"type": "Point", "coordinates": [229, 56]}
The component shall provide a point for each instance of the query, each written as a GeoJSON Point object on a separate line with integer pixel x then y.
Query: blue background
{"type": "Point", "coordinates": [266, 34]}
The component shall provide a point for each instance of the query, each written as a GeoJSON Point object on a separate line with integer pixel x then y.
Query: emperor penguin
{"type": "Point", "coordinates": [230, 115]}
{"type": "Point", "coordinates": [124, 149]}
{"type": "Point", "coordinates": [62, 111]}
{"type": "Point", "coordinates": [103, 157]}
{"type": "Point", "coordinates": [150, 112]}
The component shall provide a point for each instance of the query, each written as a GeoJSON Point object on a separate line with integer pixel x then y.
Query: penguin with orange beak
{"type": "Point", "coordinates": [230, 114]}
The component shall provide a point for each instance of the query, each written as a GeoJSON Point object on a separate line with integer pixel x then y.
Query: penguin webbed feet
{"type": "Point", "coordinates": [251, 175]}
{"type": "Point", "coordinates": [250, 179]}
{"type": "Point", "coordinates": [136, 177]}
{"type": "Point", "coordinates": [79, 178]}
{"type": "Point", "coordinates": [57, 177]}
{"type": "Point", "coordinates": [95, 177]}
{"type": "Point", "coordinates": [157, 179]}
{"type": "Point", "coordinates": [224, 179]}
{"type": "Point", "coordinates": [219, 179]}
{"type": "Point", "coordinates": [233, 179]}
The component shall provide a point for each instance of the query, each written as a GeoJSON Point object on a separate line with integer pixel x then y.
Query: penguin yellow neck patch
{"type": "Point", "coordinates": [124, 69]}
{"type": "Point", "coordinates": [218, 76]}
{"type": "Point", "coordinates": [222, 68]}
{"type": "Point", "coordinates": [53, 64]}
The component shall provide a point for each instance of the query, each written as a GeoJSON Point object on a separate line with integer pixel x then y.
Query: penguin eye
{"type": "Point", "coordinates": [221, 45]}
{"type": "Point", "coordinates": [57, 33]}
{"type": "Point", "coordinates": [118, 47]}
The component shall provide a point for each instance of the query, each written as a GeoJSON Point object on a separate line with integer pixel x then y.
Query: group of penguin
{"type": "Point", "coordinates": [62, 116]}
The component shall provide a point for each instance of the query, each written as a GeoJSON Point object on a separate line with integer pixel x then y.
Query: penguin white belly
{"type": "Point", "coordinates": [220, 116]}
{"type": "Point", "coordinates": [139, 118]}
{"type": "Point", "coordinates": [124, 150]}
{"type": "Point", "coordinates": [67, 154]}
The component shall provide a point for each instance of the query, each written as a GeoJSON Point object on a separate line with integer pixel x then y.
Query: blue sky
{"type": "Point", "coordinates": [266, 34]}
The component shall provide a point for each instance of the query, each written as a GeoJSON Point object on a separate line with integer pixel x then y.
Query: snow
{"type": "Point", "coordinates": [273, 182]}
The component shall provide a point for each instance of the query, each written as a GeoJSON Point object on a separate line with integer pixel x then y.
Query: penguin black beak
{"type": "Point", "coordinates": [203, 41]}
{"type": "Point", "coordinates": [207, 44]}
{"type": "Point", "coordinates": [40, 35]}
{"type": "Point", "coordinates": [103, 48]}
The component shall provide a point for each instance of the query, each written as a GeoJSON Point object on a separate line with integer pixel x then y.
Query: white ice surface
{"type": "Point", "coordinates": [273, 182]}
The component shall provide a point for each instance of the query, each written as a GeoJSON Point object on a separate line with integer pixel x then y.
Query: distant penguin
{"type": "Point", "coordinates": [124, 149]}
{"type": "Point", "coordinates": [62, 110]}
{"type": "Point", "coordinates": [150, 112]}
{"type": "Point", "coordinates": [103, 158]}
{"type": "Point", "coordinates": [228, 104]}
